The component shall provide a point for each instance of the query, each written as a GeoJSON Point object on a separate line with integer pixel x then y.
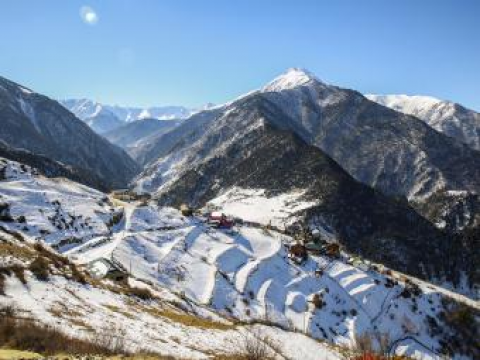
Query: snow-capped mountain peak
{"type": "Point", "coordinates": [292, 78]}
{"type": "Point", "coordinates": [405, 103]}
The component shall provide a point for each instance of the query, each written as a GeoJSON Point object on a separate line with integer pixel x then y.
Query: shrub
{"type": "Point", "coordinates": [21, 219]}
{"type": "Point", "coordinates": [256, 346]}
{"type": "Point", "coordinates": [116, 218]}
{"type": "Point", "coordinates": [365, 349]}
{"type": "Point", "coordinates": [19, 272]}
{"type": "Point", "coordinates": [5, 213]}
{"type": "Point", "coordinates": [39, 267]}
{"type": "Point", "coordinates": [58, 261]}
{"type": "Point", "coordinates": [8, 311]}
{"type": "Point", "coordinates": [318, 301]}
{"type": "Point", "coordinates": [24, 334]}
{"type": "Point", "coordinates": [77, 275]}
{"type": "Point", "coordinates": [2, 284]}
{"type": "Point", "coordinates": [16, 270]}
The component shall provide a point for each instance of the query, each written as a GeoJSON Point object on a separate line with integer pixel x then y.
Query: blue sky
{"type": "Point", "coordinates": [157, 52]}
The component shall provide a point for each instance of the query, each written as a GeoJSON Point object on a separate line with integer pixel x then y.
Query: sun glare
{"type": "Point", "coordinates": [88, 15]}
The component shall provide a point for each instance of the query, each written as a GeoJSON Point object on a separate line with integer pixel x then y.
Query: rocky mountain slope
{"type": "Point", "coordinates": [40, 125]}
{"type": "Point", "coordinates": [446, 117]}
{"type": "Point", "coordinates": [254, 146]}
{"type": "Point", "coordinates": [159, 145]}
{"type": "Point", "coordinates": [453, 211]}
{"type": "Point", "coordinates": [207, 285]}
{"type": "Point", "coordinates": [132, 135]}
{"type": "Point", "coordinates": [103, 122]}
{"type": "Point", "coordinates": [393, 152]}
{"type": "Point", "coordinates": [51, 168]}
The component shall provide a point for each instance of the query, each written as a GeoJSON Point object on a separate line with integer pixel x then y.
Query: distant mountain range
{"type": "Point", "coordinates": [41, 126]}
{"type": "Point", "coordinates": [104, 118]}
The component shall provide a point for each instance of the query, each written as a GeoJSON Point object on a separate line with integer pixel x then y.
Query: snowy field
{"type": "Point", "coordinates": [255, 206]}
{"type": "Point", "coordinates": [242, 274]}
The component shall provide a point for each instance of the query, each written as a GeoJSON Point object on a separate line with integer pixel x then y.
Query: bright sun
{"type": "Point", "coordinates": [88, 15]}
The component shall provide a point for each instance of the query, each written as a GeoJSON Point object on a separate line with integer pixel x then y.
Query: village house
{"type": "Point", "coordinates": [106, 269]}
{"type": "Point", "coordinates": [220, 220]}
{"type": "Point", "coordinates": [186, 210]}
{"type": "Point", "coordinates": [128, 195]}
{"type": "Point", "coordinates": [297, 253]}
{"type": "Point", "coordinates": [314, 248]}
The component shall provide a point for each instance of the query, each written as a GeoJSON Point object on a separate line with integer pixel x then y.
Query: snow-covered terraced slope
{"type": "Point", "coordinates": [83, 311]}
{"type": "Point", "coordinates": [242, 273]}
{"type": "Point", "coordinates": [246, 274]}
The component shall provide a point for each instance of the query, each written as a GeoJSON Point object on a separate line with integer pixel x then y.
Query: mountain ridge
{"type": "Point", "coordinates": [40, 125]}
{"type": "Point", "coordinates": [447, 117]}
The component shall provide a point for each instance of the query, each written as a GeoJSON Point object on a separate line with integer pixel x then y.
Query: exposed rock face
{"type": "Point", "coordinates": [42, 126]}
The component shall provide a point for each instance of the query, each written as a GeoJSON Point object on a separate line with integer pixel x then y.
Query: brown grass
{"type": "Point", "coordinates": [40, 268]}
{"type": "Point", "coordinates": [254, 346]}
{"type": "Point", "coordinates": [187, 319]}
{"type": "Point", "coordinates": [31, 336]}
{"type": "Point", "coordinates": [117, 310]}
{"type": "Point", "coordinates": [17, 251]}
{"type": "Point", "coordinates": [16, 270]}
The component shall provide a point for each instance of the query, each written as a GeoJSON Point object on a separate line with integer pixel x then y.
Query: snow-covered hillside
{"type": "Point", "coordinates": [60, 212]}
{"type": "Point", "coordinates": [53, 211]}
{"type": "Point", "coordinates": [447, 117]}
{"type": "Point", "coordinates": [240, 275]}
{"type": "Point", "coordinates": [256, 206]}
{"type": "Point", "coordinates": [246, 274]}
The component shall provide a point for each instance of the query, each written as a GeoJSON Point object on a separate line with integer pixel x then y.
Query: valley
{"type": "Point", "coordinates": [303, 219]}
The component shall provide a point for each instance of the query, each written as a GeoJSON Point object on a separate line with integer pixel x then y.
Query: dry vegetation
{"type": "Point", "coordinates": [23, 334]}
{"type": "Point", "coordinates": [372, 347]}
{"type": "Point", "coordinates": [255, 345]}
{"type": "Point", "coordinates": [185, 318]}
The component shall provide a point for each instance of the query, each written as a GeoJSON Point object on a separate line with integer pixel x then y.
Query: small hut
{"type": "Point", "coordinates": [106, 269]}
{"type": "Point", "coordinates": [220, 220]}
{"type": "Point", "coordinates": [297, 253]}
{"type": "Point", "coordinates": [332, 250]}
{"type": "Point", "coordinates": [186, 210]}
